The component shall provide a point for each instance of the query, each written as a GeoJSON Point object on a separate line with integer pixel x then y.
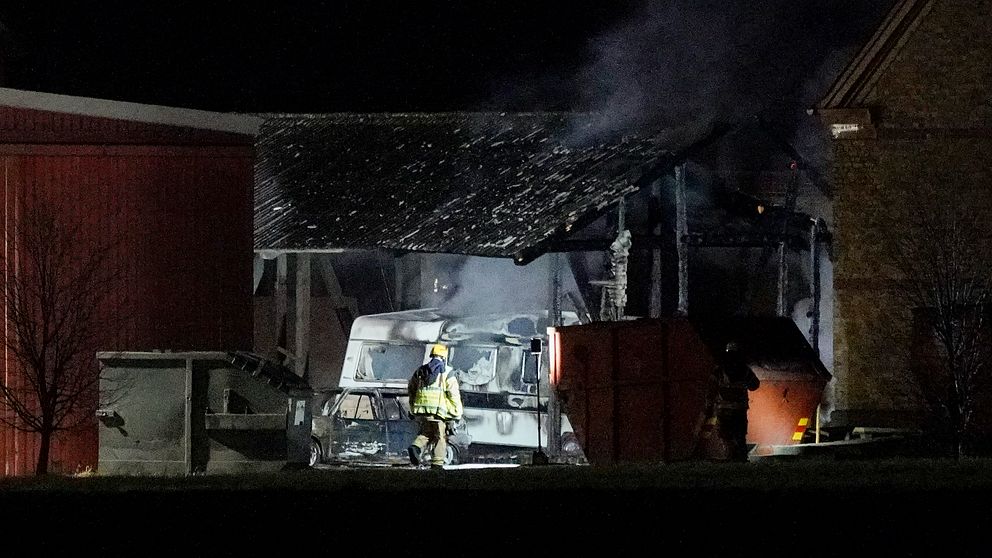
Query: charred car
{"type": "Point", "coordinates": [369, 426]}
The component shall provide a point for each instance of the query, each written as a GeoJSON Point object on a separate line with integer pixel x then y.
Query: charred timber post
{"type": "Point", "coordinates": [783, 274]}
{"type": "Point", "coordinates": [681, 239]}
{"type": "Point", "coordinates": [556, 293]}
{"type": "Point", "coordinates": [621, 215]}
{"type": "Point", "coordinates": [814, 318]}
{"type": "Point", "coordinates": [282, 301]}
{"type": "Point", "coordinates": [792, 192]}
{"type": "Point", "coordinates": [554, 410]}
{"type": "Point", "coordinates": [580, 307]}
{"type": "Point", "coordinates": [693, 240]}
{"type": "Point", "coordinates": [733, 240]}
{"type": "Point", "coordinates": [302, 313]}
{"type": "Point", "coordinates": [188, 419]}
{"type": "Point", "coordinates": [614, 294]}
{"type": "Point", "coordinates": [655, 307]}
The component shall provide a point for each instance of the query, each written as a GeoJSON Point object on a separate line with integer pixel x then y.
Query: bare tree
{"type": "Point", "coordinates": [946, 265]}
{"type": "Point", "coordinates": [55, 283]}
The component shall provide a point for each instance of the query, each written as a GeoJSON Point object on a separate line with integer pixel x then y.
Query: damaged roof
{"type": "Point", "coordinates": [485, 184]}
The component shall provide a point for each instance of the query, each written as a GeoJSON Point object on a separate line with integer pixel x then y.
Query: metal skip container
{"type": "Point", "coordinates": [642, 390]}
{"type": "Point", "coordinates": [635, 391]}
{"type": "Point", "coordinates": [183, 413]}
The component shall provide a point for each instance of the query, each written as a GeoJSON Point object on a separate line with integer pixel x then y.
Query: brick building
{"type": "Point", "coordinates": [912, 112]}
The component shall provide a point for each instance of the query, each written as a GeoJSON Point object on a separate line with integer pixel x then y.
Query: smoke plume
{"type": "Point", "coordinates": [495, 285]}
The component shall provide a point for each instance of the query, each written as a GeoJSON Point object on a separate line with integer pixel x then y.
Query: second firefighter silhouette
{"type": "Point", "coordinates": [735, 379]}
{"type": "Point", "coordinates": [435, 402]}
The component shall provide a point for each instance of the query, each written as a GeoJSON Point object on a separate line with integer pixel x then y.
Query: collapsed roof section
{"type": "Point", "coordinates": [484, 184]}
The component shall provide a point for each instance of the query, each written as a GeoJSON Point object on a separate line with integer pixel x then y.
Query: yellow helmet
{"type": "Point", "coordinates": [439, 350]}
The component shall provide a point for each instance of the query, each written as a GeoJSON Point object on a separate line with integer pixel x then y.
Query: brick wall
{"type": "Point", "coordinates": [932, 115]}
{"type": "Point", "coordinates": [942, 74]}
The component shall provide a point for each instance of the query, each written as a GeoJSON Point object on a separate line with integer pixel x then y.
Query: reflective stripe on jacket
{"type": "Point", "coordinates": [440, 399]}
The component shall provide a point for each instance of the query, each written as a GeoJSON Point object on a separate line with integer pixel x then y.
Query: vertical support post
{"type": "Point", "coordinates": [429, 281]}
{"type": "Point", "coordinates": [302, 314]}
{"type": "Point", "coordinates": [554, 411]}
{"type": "Point", "coordinates": [792, 193]}
{"type": "Point", "coordinates": [814, 317]}
{"type": "Point", "coordinates": [282, 301]}
{"type": "Point", "coordinates": [681, 239]}
{"type": "Point", "coordinates": [539, 457]}
{"type": "Point", "coordinates": [654, 309]}
{"type": "Point", "coordinates": [783, 278]}
{"type": "Point", "coordinates": [345, 309]}
{"type": "Point", "coordinates": [258, 270]}
{"type": "Point", "coordinates": [408, 291]}
{"type": "Point", "coordinates": [614, 295]}
{"type": "Point", "coordinates": [537, 365]}
{"type": "Point", "coordinates": [817, 424]}
{"type": "Point", "coordinates": [188, 419]}
{"type": "Point", "coordinates": [556, 294]}
{"type": "Point", "coordinates": [621, 215]}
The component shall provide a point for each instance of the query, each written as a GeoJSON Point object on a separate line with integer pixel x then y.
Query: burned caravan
{"type": "Point", "coordinates": [490, 356]}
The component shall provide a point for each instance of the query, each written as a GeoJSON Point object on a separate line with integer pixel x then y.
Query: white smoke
{"type": "Point", "coordinates": [490, 285]}
{"type": "Point", "coordinates": [665, 67]}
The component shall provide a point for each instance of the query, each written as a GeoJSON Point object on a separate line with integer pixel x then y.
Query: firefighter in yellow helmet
{"type": "Point", "coordinates": [434, 401]}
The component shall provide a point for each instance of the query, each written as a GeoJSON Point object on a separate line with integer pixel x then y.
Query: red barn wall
{"type": "Point", "coordinates": [178, 204]}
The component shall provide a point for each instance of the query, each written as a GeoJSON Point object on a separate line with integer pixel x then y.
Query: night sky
{"type": "Point", "coordinates": [633, 58]}
{"type": "Point", "coordinates": [299, 56]}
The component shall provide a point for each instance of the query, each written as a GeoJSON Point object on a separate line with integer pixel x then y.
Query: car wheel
{"type": "Point", "coordinates": [450, 455]}
{"type": "Point", "coordinates": [316, 456]}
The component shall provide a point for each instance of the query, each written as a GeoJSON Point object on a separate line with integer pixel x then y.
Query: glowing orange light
{"type": "Point", "coordinates": [554, 346]}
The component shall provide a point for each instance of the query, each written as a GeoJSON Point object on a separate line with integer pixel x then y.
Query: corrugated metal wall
{"type": "Point", "coordinates": [182, 217]}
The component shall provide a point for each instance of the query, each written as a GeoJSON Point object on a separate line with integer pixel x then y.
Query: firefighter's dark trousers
{"type": "Point", "coordinates": [432, 430]}
{"type": "Point", "coordinates": [733, 430]}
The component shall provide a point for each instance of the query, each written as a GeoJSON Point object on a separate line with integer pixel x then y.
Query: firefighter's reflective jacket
{"type": "Point", "coordinates": [439, 398]}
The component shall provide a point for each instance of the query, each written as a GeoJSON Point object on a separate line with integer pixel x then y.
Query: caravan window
{"type": "Point", "coordinates": [384, 361]}
{"type": "Point", "coordinates": [474, 366]}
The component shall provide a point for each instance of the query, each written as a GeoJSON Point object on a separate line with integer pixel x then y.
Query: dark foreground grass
{"type": "Point", "coordinates": [804, 508]}
{"type": "Point", "coordinates": [764, 476]}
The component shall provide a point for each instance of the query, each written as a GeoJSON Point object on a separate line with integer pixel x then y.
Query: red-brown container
{"type": "Point", "coordinates": [783, 408]}
{"type": "Point", "coordinates": [792, 377]}
{"type": "Point", "coordinates": [634, 391]}
{"type": "Point", "coordinates": [640, 391]}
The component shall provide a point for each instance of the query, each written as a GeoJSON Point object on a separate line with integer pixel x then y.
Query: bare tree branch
{"type": "Point", "coordinates": [57, 279]}
{"type": "Point", "coordinates": [946, 268]}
